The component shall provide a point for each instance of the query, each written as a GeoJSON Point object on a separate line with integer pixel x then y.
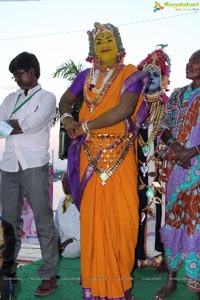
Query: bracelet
{"type": "Point", "coordinates": [65, 115]}
{"type": "Point", "coordinates": [198, 151]}
{"type": "Point", "coordinates": [84, 126]}
{"type": "Point", "coordinates": [170, 140]}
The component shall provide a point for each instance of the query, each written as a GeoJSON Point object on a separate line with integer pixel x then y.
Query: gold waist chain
{"type": "Point", "coordinates": [105, 152]}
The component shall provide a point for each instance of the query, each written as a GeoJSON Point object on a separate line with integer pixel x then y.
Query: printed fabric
{"type": "Point", "coordinates": [181, 233]}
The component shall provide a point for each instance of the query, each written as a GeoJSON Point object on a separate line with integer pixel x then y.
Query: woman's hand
{"type": "Point", "coordinates": [183, 157]}
{"type": "Point", "coordinates": [71, 126]}
{"type": "Point", "coordinates": [79, 131]}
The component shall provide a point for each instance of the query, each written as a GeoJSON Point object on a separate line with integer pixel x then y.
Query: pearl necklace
{"type": "Point", "coordinates": [101, 78]}
{"type": "Point", "coordinates": [97, 74]}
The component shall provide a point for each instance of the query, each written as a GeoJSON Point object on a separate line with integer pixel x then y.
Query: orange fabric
{"type": "Point", "coordinates": [109, 214]}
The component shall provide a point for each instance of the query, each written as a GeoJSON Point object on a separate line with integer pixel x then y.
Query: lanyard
{"type": "Point", "coordinates": [16, 108]}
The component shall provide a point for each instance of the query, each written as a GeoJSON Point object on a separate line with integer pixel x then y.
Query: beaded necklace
{"type": "Point", "coordinates": [155, 115]}
{"type": "Point", "coordinates": [103, 79]}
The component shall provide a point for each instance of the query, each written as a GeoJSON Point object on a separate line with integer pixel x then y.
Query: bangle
{"type": "Point", "coordinates": [170, 140]}
{"type": "Point", "coordinates": [84, 126]}
{"type": "Point", "coordinates": [65, 115]}
{"type": "Point", "coordinates": [198, 151]}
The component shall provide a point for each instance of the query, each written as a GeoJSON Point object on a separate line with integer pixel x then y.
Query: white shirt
{"type": "Point", "coordinates": [68, 225]}
{"type": "Point", "coordinates": [35, 117]}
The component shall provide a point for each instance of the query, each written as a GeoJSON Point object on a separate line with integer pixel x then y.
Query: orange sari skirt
{"type": "Point", "coordinates": [109, 230]}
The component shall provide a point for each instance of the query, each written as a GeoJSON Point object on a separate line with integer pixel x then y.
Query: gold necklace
{"type": "Point", "coordinates": [107, 77]}
{"type": "Point", "coordinates": [157, 115]}
{"type": "Point", "coordinates": [153, 98]}
{"type": "Point", "coordinates": [153, 111]}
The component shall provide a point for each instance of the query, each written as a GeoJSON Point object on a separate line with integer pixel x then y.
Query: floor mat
{"type": "Point", "coordinates": [147, 281]}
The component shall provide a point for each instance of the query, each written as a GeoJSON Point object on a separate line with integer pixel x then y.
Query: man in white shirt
{"type": "Point", "coordinates": [24, 167]}
{"type": "Point", "coordinates": [67, 220]}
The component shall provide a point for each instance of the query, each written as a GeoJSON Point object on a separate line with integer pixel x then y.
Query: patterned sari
{"type": "Point", "coordinates": [181, 233]}
{"type": "Point", "coordinates": [108, 208]}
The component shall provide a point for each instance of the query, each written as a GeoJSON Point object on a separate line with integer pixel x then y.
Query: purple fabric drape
{"type": "Point", "coordinates": [143, 111]}
{"type": "Point", "coordinates": [73, 170]}
{"type": "Point", "coordinates": [76, 87]}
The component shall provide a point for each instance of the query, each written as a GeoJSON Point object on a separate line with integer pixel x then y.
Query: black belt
{"type": "Point", "coordinates": [63, 245]}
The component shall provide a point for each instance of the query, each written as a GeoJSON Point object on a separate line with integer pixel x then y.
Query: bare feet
{"type": "Point", "coordinates": [168, 288]}
{"type": "Point", "coordinates": [162, 267]}
{"type": "Point", "coordinates": [165, 291]}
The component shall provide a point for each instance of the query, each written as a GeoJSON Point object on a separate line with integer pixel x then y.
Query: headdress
{"type": "Point", "coordinates": [104, 27]}
{"type": "Point", "coordinates": [160, 60]}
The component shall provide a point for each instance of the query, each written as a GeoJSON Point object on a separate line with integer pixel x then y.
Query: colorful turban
{"type": "Point", "coordinates": [160, 60]}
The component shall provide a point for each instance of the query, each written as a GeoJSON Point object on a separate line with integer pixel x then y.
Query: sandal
{"type": "Point", "coordinates": [46, 287]}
